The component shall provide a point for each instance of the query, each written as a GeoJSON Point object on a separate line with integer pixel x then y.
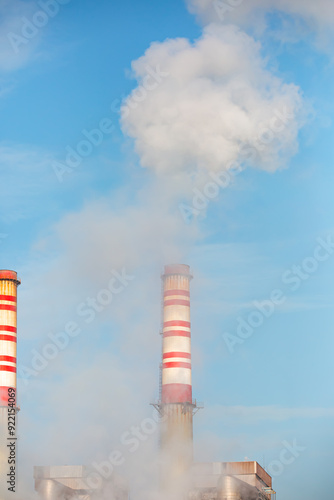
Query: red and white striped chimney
{"type": "Point", "coordinates": [8, 333]}
{"type": "Point", "coordinates": [176, 362]}
{"type": "Point", "coordinates": [8, 396]}
{"type": "Point", "coordinates": [176, 405]}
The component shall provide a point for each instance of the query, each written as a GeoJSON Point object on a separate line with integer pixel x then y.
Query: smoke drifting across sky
{"type": "Point", "coordinates": [13, 16]}
{"type": "Point", "coordinates": [318, 15]}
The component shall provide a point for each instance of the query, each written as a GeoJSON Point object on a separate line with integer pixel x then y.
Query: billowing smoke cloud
{"type": "Point", "coordinates": [216, 100]}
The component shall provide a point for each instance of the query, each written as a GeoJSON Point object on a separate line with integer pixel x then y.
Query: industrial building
{"type": "Point", "coordinates": [180, 476]}
{"type": "Point", "coordinates": [67, 482]}
{"type": "Point", "coordinates": [230, 480]}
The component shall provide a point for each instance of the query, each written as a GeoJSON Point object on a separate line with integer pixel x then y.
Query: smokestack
{"type": "Point", "coordinates": [8, 398]}
{"type": "Point", "coordinates": [176, 358]}
{"type": "Point", "coordinates": [176, 405]}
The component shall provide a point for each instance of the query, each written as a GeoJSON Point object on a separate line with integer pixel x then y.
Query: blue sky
{"type": "Point", "coordinates": [119, 209]}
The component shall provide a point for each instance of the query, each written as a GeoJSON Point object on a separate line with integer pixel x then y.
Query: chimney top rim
{"type": "Point", "coordinates": [182, 269]}
{"type": "Point", "coordinates": [9, 275]}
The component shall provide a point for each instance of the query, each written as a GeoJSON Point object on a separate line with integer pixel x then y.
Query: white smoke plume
{"type": "Point", "coordinates": [113, 389]}
{"type": "Point", "coordinates": [217, 99]}
{"type": "Point", "coordinates": [319, 15]}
